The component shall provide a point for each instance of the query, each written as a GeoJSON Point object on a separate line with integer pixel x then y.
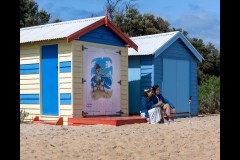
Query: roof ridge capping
{"type": "Point", "coordinates": [185, 41]}
{"type": "Point", "coordinates": [155, 35]}
{"type": "Point", "coordinates": [64, 22]}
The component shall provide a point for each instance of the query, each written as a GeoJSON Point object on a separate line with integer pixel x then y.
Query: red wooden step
{"type": "Point", "coordinates": [115, 121]}
{"type": "Point", "coordinates": [58, 122]}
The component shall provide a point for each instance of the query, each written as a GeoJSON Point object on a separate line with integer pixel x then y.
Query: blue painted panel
{"type": "Point", "coordinates": [146, 72]}
{"type": "Point", "coordinates": [176, 83]}
{"type": "Point", "coordinates": [179, 51]}
{"type": "Point", "coordinates": [29, 68]}
{"type": "Point", "coordinates": [50, 80]}
{"type": "Point", "coordinates": [134, 62]}
{"type": "Point", "coordinates": [102, 35]}
{"type": "Point", "coordinates": [158, 71]}
{"type": "Point", "coordinates": [187, 44]}
{"type": "Point", "coordinates": [169, 86]}
{"type": "Point", "coordinates": [146, 79]}
{"type": "Point", "coordinates": [65, 66]}
{"type": "Point", "coordinates": [65, 98]}
{"type": "Point", "coordinates": [134, 76]}
{"type": "Point", "coordinates": [29, 98]}
{"type": "Point", "coordinates": [183, 85]}
{"type": "Point", "coordinates": [194, 87]}
{"type": "Point", "coordinates": [178, 48]}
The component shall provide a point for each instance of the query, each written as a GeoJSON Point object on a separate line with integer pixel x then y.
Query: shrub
{"type": "Point", "coordinates": [209, 96]}
{"type": "Point", "coordinates": [23, 115]}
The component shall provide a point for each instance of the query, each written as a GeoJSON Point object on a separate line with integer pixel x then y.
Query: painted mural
{"type": "Point", "coordinates": [101, 77]}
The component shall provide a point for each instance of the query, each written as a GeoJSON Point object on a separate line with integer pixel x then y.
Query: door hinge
{"type": "Point", "coordinates": [84, 47]}
{"type": "Point", "coordinates": [119, 52]}
{"type": "Point", "coordinates": [120, 82]}
{"type": "Point", "coordinates": [84, 113]}
{"type": "Point", "coordinates": [83, 80]}
{"type": "Point", "coordinates": [120, 112]}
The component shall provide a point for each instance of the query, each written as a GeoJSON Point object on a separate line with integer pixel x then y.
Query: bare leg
{"type": "Point", "coordinates": [161, 112]}
{"type": "Point", "coordinates": [174, 110]}
{"type": "Point", "coordinates": [166, 107]}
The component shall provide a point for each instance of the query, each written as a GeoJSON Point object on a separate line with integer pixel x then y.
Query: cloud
{"type": "Point", "coordinates": [202, 25]}
{"type": "Point", "coordinates": [69, 13]}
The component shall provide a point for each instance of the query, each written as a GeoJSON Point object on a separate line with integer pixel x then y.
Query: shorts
{"type": "Point", "coordinates": [162, 106]}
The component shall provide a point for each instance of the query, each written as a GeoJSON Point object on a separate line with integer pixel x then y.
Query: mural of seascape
{"type": "Point", "coordinates": [101, 78]}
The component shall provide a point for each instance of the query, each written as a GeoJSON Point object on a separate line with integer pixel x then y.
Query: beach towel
{"type": "Point", "coordinates": [154, 115]}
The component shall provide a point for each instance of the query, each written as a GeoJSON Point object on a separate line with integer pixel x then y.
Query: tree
{"type": "Point", "coordinates": [56, 20]}
{"type": "Point", "coordinates": [29, 14]}
{"type": "Point", "coordinates": [132, 23]}
{"type": "Point", "coordinates": [112, 5]}
{"type": "Point", "coordinates": [211, 64]}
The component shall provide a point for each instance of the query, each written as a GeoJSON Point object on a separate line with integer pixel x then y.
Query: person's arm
{"type": "Point", "coordinates": [165, 100]}
{"type": "Point", "coordinates": [144, 108]}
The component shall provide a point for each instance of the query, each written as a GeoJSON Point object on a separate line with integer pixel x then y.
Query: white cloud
{"type": "Point", "coordinates": [202, 25]}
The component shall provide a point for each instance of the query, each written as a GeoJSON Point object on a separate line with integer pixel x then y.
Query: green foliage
{"type": "Point", "coordinates": [209, 95]}
{"type": "Point", "coordinates": [56, 20]}
{"type": "Point", "coordinates": [30, 16]}
{"type": "Point", "coordinates": [211, 64]}
{"type": "Point", "coordinates": [132, 23]}
{"type": "Point", "coordinates": [129, 20]}
{"type": "Point", "coordinates": [23, 115]}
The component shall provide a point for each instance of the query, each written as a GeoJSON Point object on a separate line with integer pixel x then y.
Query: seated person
{"type": "Point", "coordinates": [165, 104]}
{"type": "Point", "coordinates": [149, 110]}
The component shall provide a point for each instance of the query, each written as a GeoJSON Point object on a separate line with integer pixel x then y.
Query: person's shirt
{"type": "Point", "coordinates": [157, 98]}
{"type": "Point", "coordinates": [146, 105]}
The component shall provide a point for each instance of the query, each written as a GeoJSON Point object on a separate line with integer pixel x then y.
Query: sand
{"type": "Point", "coordinates": [179, 140]}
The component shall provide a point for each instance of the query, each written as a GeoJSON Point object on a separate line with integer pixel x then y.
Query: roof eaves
{"type": "Point", "coordinates": [38, 41]}
{"type": "Point", "coordinates": [192, 48]}
{"type": "Point", "coordinates": [166, 45]}
{"type": "Point", "coordinates": [122, 35]}
{"type": "Point", "coordinates": [85, 30]}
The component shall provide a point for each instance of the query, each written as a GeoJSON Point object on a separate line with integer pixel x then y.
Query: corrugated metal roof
{"type": "Point", "coordinates": [151, 43]}
{"type": "Point", "coordinates": [55, 30]}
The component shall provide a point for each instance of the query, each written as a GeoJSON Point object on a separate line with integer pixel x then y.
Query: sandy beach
{"type": "Point", "coordinates": [179, 140]}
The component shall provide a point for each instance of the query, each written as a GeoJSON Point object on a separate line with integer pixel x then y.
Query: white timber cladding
{"type": "Point", "coordinates": [77, 76]}
{"type": "Point", "coordinates": [65, 80]}
{"type": "Point", "coordinates": [30, 83]}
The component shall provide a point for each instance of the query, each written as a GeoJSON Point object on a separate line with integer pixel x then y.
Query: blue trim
{"type": "Point", "coordinates": [153, 83]}
{"type": "Point", "coordinates": [29, 68]}
{"type": "Point", "coordinates": [65, 66]}
{"type": "Point", "coordinates": [29, 98]}
{"type": "Point", "coordinates": [190, 78]}
{"type": "Point", "coordinates": [185, 41]}
{"type": "Point", "coordinates": [65, 98]}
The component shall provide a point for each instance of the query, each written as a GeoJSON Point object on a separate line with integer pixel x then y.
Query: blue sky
{"type": "Point", "coordinates": [201, 18]}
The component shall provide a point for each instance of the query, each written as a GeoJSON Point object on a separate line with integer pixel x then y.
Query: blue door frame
{"type": "Point", "coordinates": [49, 73]}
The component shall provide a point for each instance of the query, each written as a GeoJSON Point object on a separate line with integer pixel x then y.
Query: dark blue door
{"type": "Point", "coordinates": [50, 80]}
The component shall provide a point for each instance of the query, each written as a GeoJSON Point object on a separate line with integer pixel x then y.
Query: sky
{"type": "Point", "coordinates": [200, 18]}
